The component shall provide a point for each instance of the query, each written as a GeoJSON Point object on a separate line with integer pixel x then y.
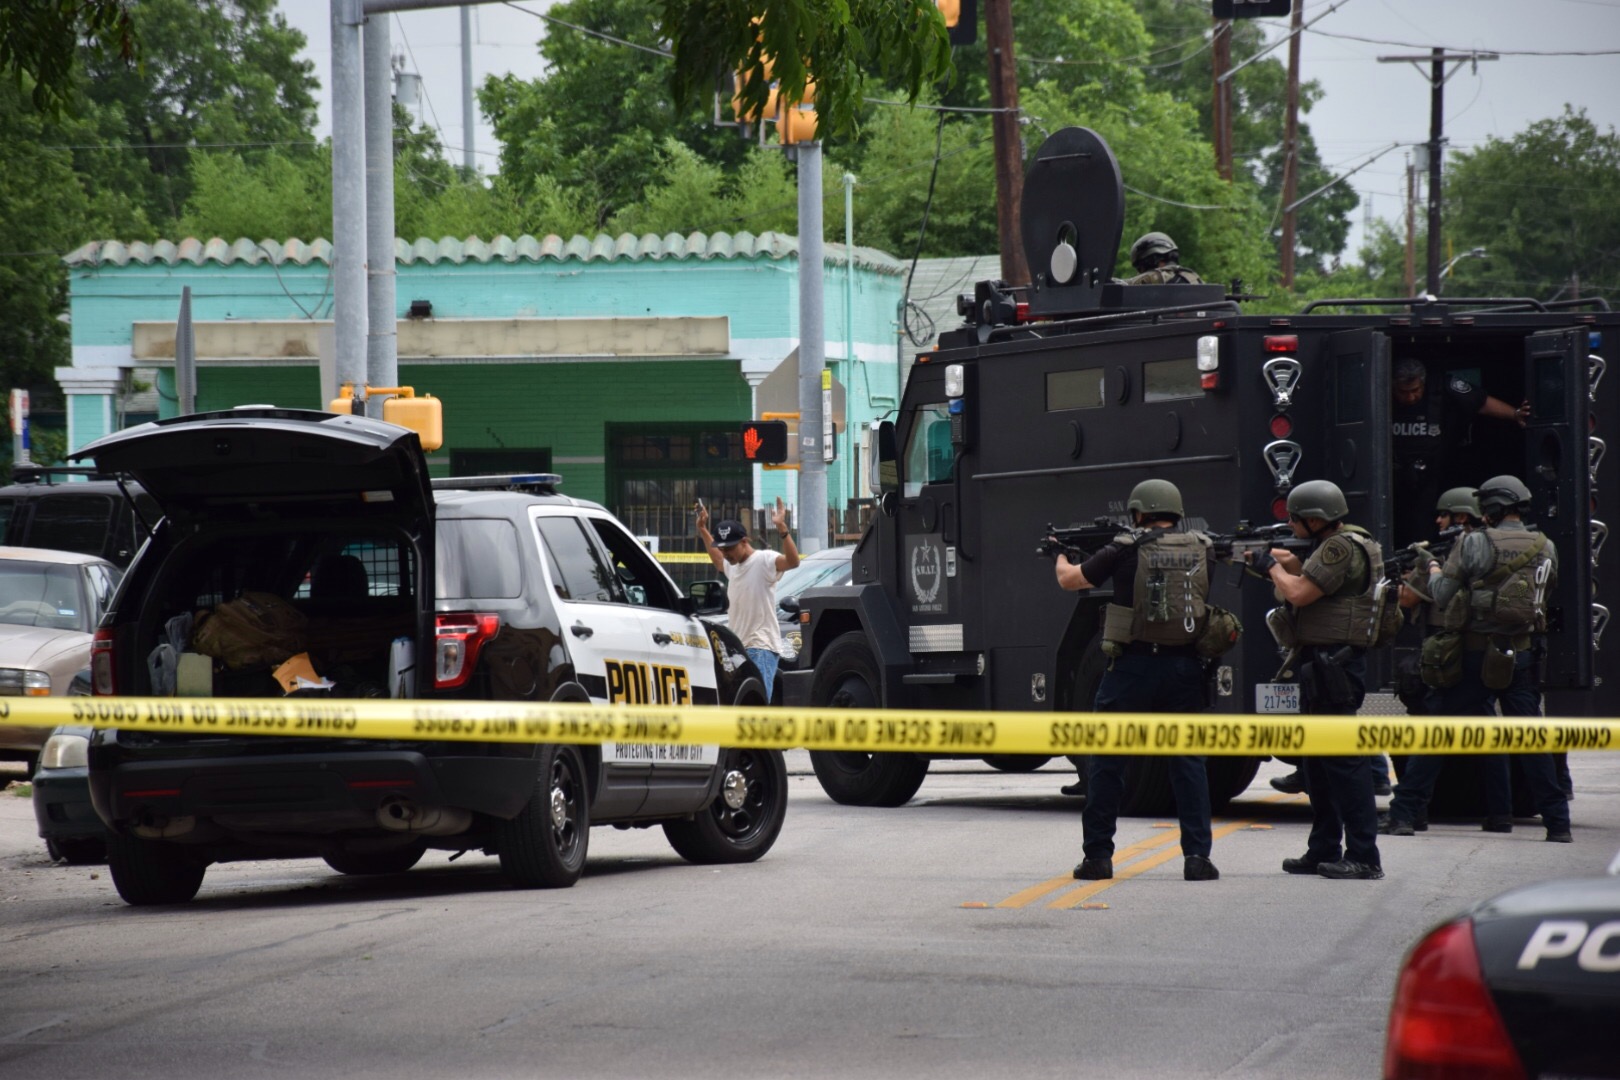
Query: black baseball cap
{"type": "Point", "coordinates": [729, 533]}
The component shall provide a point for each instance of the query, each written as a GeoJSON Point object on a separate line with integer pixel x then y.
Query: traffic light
{"type": "Point", "coordinates": [1253, 9]}
{"type": "Point", "coordinates": [961, 20]}
{"type": "Point", "coordinates": [765, 442]}
{"type": "Point", "coordinates": [797, 122]}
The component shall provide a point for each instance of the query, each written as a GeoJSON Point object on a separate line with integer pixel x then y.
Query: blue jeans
{"type": "Point", "coordinates": [767, 663]}
{"type": "Point", "coordinates": [1340, 788]}
{"type": "Point", "coordinates": [1135, 683]}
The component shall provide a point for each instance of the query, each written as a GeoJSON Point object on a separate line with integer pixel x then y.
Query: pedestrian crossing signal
{"type": "Point", "coordinates": [765, 442]}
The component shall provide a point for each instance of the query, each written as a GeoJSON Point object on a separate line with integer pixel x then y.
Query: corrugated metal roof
{"type": "Point", "coordinates": [602, 248]}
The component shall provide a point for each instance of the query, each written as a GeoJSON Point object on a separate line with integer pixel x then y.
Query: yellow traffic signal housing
{"type": "Point", "coordinates": [797, 122]}
{"type": "Point", "coordinates": [951, 9]}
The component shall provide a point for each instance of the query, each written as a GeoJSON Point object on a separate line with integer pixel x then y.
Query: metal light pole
{"type": "Point", "coordinates": [349, 319]}
{"type": "Point", "coordinates": [382, 332]}
{"type": "Point", "coordinates": [812, 354]}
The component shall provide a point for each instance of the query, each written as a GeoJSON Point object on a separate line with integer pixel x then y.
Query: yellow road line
{"type": "Point", "coordinates": [1035, 892]}
{"type": "Point", "coordinates": [1130, 854]}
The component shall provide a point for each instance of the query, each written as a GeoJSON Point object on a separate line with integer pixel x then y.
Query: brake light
{"type": "Point", "coordinates": [1443, 1022]}
{"type": "Point", "coordinates": [102, 682]}
{"type": "Point", "coordinates": [1281, 342]}
{"type": "Point", "coordinates": [1282, 426]}
{"type": "Point", "coordinates": [458, 637]}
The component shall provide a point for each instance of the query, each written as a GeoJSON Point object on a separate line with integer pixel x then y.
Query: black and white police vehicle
{"type": "Point", "coordinates": [1526, 984]}
{"type": "Point", "coordinates": [492, 588]}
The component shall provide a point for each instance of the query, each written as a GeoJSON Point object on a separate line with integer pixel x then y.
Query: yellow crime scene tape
{"type": "Point", "coordinates": [973, 734]}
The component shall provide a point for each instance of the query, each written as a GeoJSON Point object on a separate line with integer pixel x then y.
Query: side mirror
{"type": "Point", "coordinates": [789, 604]}
{"type": "Point", "coordinates": [885, 460]}
{"type": "Point", "coordinates": [708, 597]}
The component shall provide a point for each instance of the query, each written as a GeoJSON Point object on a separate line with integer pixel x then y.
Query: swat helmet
{"type": "Point", "coordinates": [1146, 251]}
{"type": "Point", "coordinates": [1459, 500]}
{"type": "Point", "coordinates": [1318, 499]}
{"type": "Point", "coordinates": [1155, 497]}
{"type": "Point", "coordinates": [1503, 493]}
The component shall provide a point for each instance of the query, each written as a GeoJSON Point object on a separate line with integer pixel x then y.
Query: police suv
{"type": "Point", "coordinates": [1053, 400]}
{"type": "Point", "coordinates": [481, 589]}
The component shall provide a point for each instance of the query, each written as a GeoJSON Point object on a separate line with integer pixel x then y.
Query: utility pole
{"type": "Point", "coordinates": [998, 34]}
{"type": "Point", "coordinates": [1221, 97]}
{"type": "Point", "coordinates": [466, 93]}
{"type": "Point", "coordinates": [1291, 147]}
{"type": "Point", "coordinates": [382, 311]}
{"type": "Point", "coordinates": [1411, 228]}
{"type": "Point", "coordinates": [349, 319]}
{"type": "Point", "coordinates": [1437, 60]}
{"type": "Point", "coordinates": [812, 355]}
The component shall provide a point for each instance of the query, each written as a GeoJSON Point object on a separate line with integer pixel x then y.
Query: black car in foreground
{"type": "Point", "coordinates": [1525, 985]}
{"type": "Point", "coordinates": [309, 552]}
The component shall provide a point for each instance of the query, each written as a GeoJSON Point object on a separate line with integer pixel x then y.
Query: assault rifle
{"type": "Point", "coordinates": [1402, 562]}
{"type": "Point", "coordinates": [1244, 538]}
{"type": "Point", "coordinates": [1079, 542]}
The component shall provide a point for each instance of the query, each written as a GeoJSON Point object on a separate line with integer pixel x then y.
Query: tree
{"type": "Point", "coordinates": [46, 209]}
{"type": "Point", "coordinates": [40, 40]}
{"type": "Point", "coordinates": [1545, 204]}
{"type": "Point", "coordinates": [1180, 63]}
{"type": "Point", "coordinates": [841, 45]}
{"type": "Point", "coordinates": [218, 72]}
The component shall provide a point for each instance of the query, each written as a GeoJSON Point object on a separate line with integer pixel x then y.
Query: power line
{"type": "Point", "coordinates": [1498, 52]}
{"type": "Point", "coordinates": [427, 96]}
{"type": "Point", "coordinates": [591, 33]}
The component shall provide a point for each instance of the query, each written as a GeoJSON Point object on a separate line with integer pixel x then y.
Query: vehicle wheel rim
{"type": "Point", "coordinates": [852, 693]}
{"type": "Point", "coordinates": [565, 807]}
{"type": "Point", "coordinates": [751, 786]}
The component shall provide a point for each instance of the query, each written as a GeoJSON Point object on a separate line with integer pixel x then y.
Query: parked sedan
{"type": "Point", "coordinates": [1526, 984]}
{"type": "Point", "coordinates": [50, 602]}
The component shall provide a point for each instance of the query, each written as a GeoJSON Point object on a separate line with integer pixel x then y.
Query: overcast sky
{"type": "Point", "coordinates": [1366, 105]}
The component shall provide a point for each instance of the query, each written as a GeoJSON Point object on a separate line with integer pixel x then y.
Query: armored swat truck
{"type": "Point", "coordinates": [1050, 402]}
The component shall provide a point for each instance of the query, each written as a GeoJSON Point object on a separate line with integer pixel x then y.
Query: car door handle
{"type": "Point", "coordinates": [580, 630]}
{"type": "Point", "coordinates": [661, 638]}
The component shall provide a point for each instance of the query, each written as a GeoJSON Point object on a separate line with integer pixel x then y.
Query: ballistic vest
{"type": "Point", "coordinates": [1171, 585]}
{"type": "Point", "coordinates": [1511, 598]}
{"type": "Point", "coordinates": [1349, 616]}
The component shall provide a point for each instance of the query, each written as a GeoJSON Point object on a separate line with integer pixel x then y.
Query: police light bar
{"type": "Point", "coordinates": [543, 483]}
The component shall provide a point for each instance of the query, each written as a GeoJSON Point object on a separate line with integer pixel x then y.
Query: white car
{"type": "Point", "coordinates": [50, 602]}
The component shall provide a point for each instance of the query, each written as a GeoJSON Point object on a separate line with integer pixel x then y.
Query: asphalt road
{"type": "Point", "coordinates": [941, 939]}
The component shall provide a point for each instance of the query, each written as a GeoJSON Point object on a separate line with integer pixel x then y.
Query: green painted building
{"type": "Point", "coordinates": [627, 364]}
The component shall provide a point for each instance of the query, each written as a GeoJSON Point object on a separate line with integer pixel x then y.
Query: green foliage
{"type": "Point", "coordinates": [695, 195]}
{"type": "Point", "coordinates": [897, 42]}
{"type": "Point", "coordinates": [40, 39]}
{"type": "Point", "coordinates": [277, 198]}
{"type": "Point", "coordinates": [223, 71]}
{"type": "Point", "coordinates": [1545, 204]}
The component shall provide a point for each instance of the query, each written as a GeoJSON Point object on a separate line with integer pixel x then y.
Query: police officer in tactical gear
{"type": "Point", "coordinates": [1155, 258]}
{"type": "Point", "coordinates": [1429, 419]}
{"type": "Point", "coordinates": [1497, 581]}
{"type": "Point", "coordinates": [1327, 625]}
{"type": "Point", "coordinates": [1160, 576]}
{"type": "Point", "coordinates": [1409, 812]}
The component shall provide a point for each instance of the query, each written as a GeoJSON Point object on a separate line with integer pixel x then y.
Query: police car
{"type": "Point", "coordinates": [1526, 984]}
{"type": "Point", "coordinates": [491, 588]}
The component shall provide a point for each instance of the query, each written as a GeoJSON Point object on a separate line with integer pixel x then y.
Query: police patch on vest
{"type": "Point", "coordinates": [1461, 386]}
{"type": "Point", "coordinates": [1332, 553]}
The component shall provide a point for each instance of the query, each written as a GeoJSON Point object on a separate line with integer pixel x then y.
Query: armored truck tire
{"type": "Point", "coordinates": [543, 847]}
{"type": "Point", "coordinates": [745, 820]}
{"type": "Point", "coordinates": [846, 677]}
{"type": "Point", "coordinates": [153, 872]}
{"type": "Point", "coordinates": [1016, 763]}
{"type": "Point", "coordinates": [362, 863]}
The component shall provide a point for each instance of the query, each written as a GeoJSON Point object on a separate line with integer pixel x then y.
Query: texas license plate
{"type": "Point", "coordinates": [1276, 697]}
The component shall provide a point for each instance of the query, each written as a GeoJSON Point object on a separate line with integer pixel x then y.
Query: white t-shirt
{"type": "Point", "coordinates": [752, 591]}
